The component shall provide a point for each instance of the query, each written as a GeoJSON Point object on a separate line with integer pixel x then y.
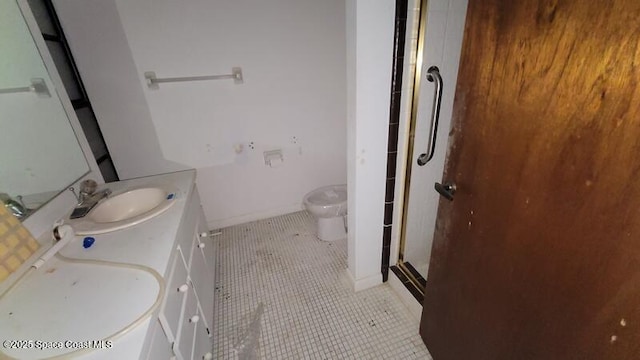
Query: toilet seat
{"type": "Point", "coordinates": [328, 205]}
{"type": "Point", "coordinates": [328, 201]}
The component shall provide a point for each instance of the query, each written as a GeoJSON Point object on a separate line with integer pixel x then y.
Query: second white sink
{"type": "Point", "coordinates": [125, 209]}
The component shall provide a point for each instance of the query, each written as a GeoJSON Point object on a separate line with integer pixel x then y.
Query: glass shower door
{"type": "Point", "coordinates": [438, 53]}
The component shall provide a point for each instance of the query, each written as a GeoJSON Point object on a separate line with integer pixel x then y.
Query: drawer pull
{"type": "Point", "coordinates": [183, 288]}
{"type": "Point", "coordinates": [194, 319]}
{"type": "Point", "coordinates": [201, 245]}
{"type": "Point", "coordinates": [203, 234]}
{"type": "Point", "coordinates": [208, 356]}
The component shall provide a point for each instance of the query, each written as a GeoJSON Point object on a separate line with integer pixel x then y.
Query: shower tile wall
{"type": "Point", "coordinates": [310, 310]}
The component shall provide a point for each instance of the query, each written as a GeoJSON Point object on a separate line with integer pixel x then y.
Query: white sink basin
{"type": "Point", "coordinates": [127, 205]}
{"type": "Point", "coordinates": [125, 209]}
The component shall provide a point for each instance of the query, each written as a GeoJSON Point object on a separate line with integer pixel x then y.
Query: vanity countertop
{"type": "Point", "coordinates": [75, 303]}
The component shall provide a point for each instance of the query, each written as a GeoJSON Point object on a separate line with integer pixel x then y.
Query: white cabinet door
{"type": "Point", "coordinates": [177, 288]}
{"type": "Point", "coordinates": [188, 223]}
{"type": "Point", "coordinates": [202, 280]}
{"type": "Point", "coordinates": [202, 348]}
{"type": "Point", "coordinates": [209, 242]}
{"type": "Point", "coordinates": [183, 347]}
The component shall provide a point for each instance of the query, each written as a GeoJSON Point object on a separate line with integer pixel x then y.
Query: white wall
{"type": "Point", "coordinates": [293, 98]}
{"type": "Point", "coordinates": [370, 27]}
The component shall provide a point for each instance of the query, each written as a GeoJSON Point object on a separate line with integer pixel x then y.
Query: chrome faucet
{"type": "Point", "coordinates": [88, 198]}
{"type": "Point", "coordinates": [96, 196]}
{"type": "Point", "coordinates": [17, 208]}
{"type": "Point", "coordinates": [87, 188]}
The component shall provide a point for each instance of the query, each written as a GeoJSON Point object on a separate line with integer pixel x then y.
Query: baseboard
{"type": "Point", "coordinates": [364, 283]}
{"type": "Point", "coordinates": [241, 219]}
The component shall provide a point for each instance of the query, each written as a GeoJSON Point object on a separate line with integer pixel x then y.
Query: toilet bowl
{"type": "Point", "coordinates": [328, 205]}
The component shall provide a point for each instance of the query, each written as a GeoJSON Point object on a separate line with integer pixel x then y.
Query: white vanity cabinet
{"type": "Point", "coordinates": [186, 316]}
{"type": "Point", "coordinates": [175, 244]}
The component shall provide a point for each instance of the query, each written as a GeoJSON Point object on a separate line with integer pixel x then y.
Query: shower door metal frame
{"type": "Point", "coordinates": [404, 267]}
{"type": "Point", "coordinates": [440, 31]}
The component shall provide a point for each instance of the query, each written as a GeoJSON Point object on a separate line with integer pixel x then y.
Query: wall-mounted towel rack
{"type": "Point", "coordinates": [154, 83]}
{"type": "Point", "coordinates": [38, 86]}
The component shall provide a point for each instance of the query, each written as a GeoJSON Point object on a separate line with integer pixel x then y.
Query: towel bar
{"type": "Point", "coordinates": [153, 81]}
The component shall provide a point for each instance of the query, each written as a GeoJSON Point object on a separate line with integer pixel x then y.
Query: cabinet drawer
{"type": "Point", "coordinates": [202, 348]}
{"type": "Point", "coordinates": [206, 243]}
{"type": "Point", "coordinates": [183, 347]}
{"type": "Point", "coordinates": [202, 281]}
{"type": "Point", "coordinates": [205, 238]}
{"type": "Point", "coordinates": [188, 223]}
{"type": "Point", "coordinates": [185, 253]}
{"type": "Point", "coordinates": [177, 288]}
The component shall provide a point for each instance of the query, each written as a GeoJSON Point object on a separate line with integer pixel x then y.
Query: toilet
{"type": "Point", "coordinates": [328, 205]}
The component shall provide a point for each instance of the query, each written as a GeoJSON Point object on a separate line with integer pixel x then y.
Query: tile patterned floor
{"type": "Point", "coordinates": [310, 312]}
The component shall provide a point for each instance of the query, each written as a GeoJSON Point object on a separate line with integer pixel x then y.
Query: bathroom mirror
{"type": "Point", "coordinates": [39, 153]}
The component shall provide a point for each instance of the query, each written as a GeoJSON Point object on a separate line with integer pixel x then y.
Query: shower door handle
{"type": "Point", "coordinates": [447, 190]}
{"type": "Point", "coordinates": [433, 74]}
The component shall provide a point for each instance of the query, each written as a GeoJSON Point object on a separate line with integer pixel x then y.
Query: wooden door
{"type": "Point", "coordinates": [538, 255]}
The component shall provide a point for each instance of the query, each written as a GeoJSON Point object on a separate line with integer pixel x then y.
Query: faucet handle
{"type": "Point", "coordinates": [21, 201]}
{"type": "Point", "coordinates": [88, 187]}
{"type": "Point", "coordinates": [16, 208]}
